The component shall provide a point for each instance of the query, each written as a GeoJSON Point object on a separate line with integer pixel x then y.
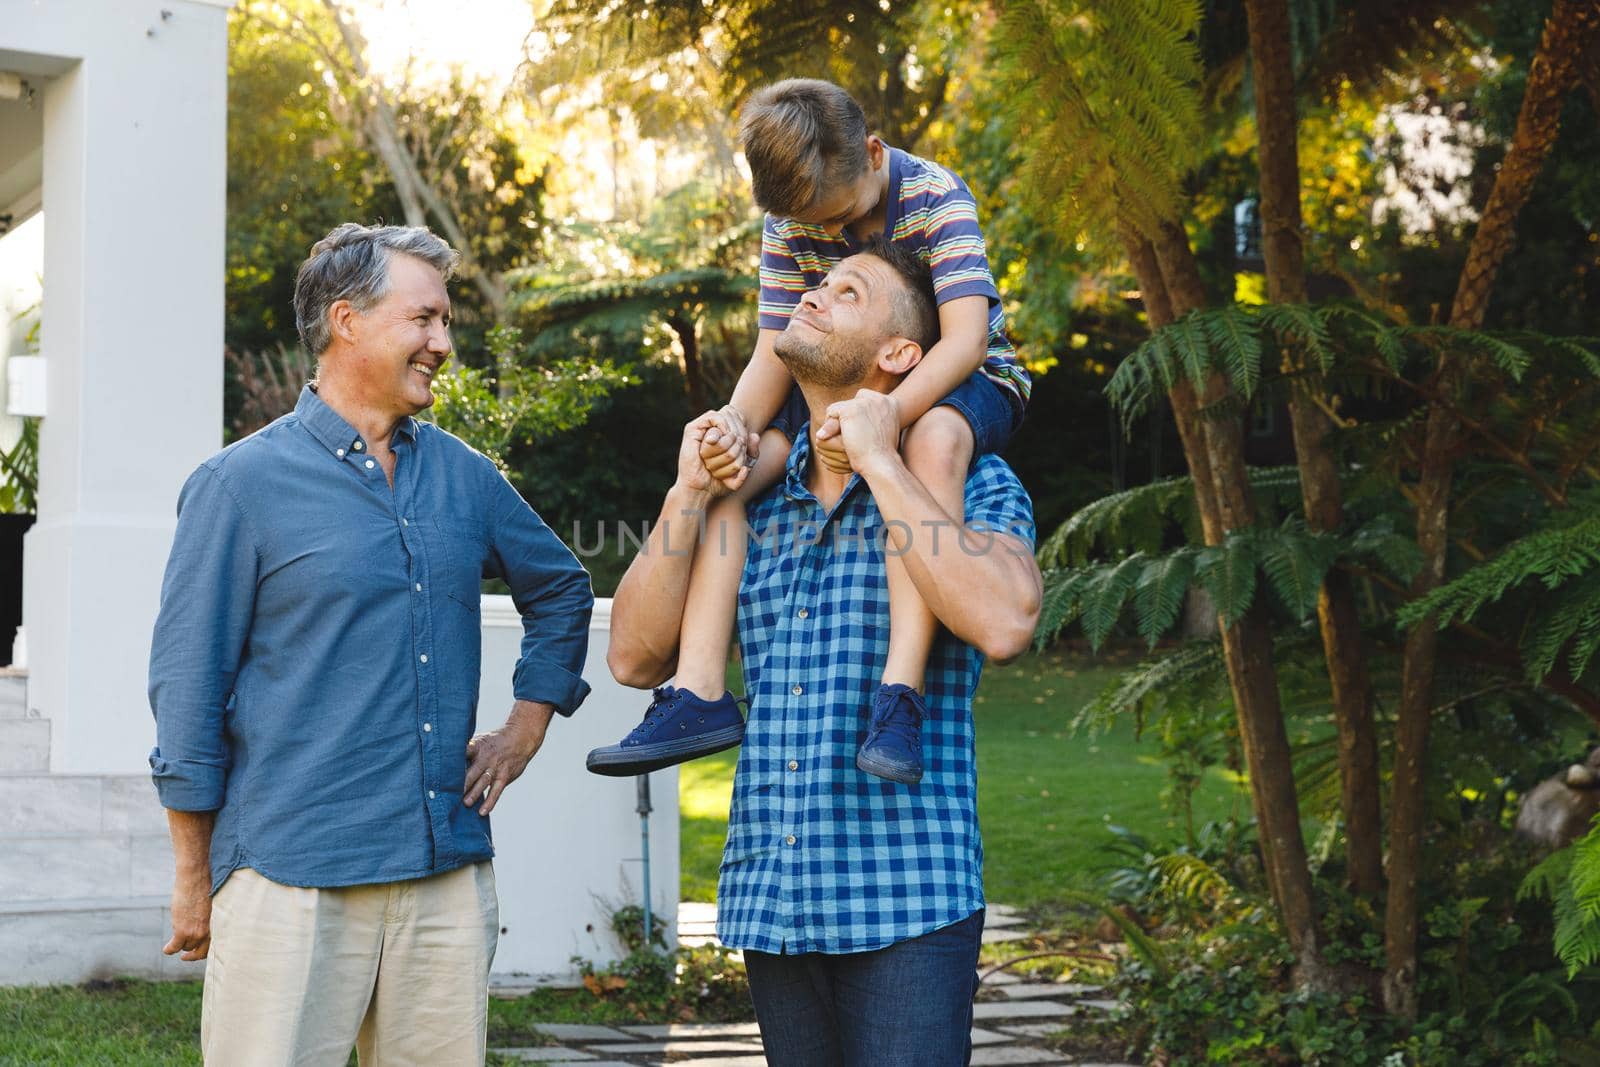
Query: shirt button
{"type": "Point", "coordinates": [423, 657]}
{"type": "Point", "coordinates": [803, 613]}
{"type": "Point", "coordinates": [371, 464]}
{"type": "Point", "coordinates": [339, 452]}
{"type": "Point", "coordinates": [430, 794]}
{"type": "Point", "coordinates": [797, 690]}
{"type": "Point", "coordinates": [427, 727]}
{"type": "Point", "coordinates": [419, 587]}
{"type": "Point", "coordinates": [405, 522]}
{"type": "Point", "coordinates": [794, 765]}
{"type": "Point", "coordinates": [357, 446]}
{"type": "Point", "coordinates": [789, 839]}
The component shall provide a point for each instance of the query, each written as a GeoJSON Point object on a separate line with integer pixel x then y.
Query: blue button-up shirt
{"type": "Point", "coordinates": [314, 670]}
{"type": "Point", "coordinates": [821, 857]}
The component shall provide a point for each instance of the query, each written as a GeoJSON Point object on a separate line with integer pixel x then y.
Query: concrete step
{"type": "Point", "coordinates": [24, 746]}
{"type": "Point", "coordinates": [13, 693]}
{"type": "Point", "coordinates": [62, 804]}
{"type": "Point", "coordinates": [44, 868]}
{"type": "Point", "coordinates": [78, 939]}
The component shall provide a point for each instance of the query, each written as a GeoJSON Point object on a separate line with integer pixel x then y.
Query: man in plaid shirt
{"type": "Point", "coordinates": [858, 901]}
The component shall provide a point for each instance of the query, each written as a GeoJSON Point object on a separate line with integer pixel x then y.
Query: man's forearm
{"type": "Point", "coordinates": [191, 842]}
{"type": "Point", "coordinates": [647, 611]}
{"type": "Point", "coordinates": [984, 586]}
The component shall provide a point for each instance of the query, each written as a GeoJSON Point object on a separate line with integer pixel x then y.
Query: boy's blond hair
{"type": "Point", "coordinates": [802, 137]}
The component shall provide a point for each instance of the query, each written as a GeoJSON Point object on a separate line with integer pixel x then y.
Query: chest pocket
{"type": "Point", "coordinates": [456, 552]}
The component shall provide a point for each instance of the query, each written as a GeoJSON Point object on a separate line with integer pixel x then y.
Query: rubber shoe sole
{"type": "Point", "coordinates": [617, 762]}
{"type": "Point", "coordinates": [895, 772]}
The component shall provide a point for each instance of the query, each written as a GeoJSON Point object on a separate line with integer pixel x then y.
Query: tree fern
{"type": "Point", "coordinates": [1116, 81]}
{"type": "Point", "coordinates": [1234, 340]}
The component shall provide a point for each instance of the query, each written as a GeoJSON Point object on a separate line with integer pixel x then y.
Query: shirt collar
{"type": "Point", "coordinates": [794, 471]}
{"type": "Point", "coordinates": [794, 476]}
{"type": "Point", "coordinates": [335, 434]}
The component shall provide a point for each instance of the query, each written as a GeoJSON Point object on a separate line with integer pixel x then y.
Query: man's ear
{"type": "Point", "coordinates": [875, 151]}
{"type": "Point", "coordinates": [342, 316]}
{"type": "Point", "coordinates": [898, 355]}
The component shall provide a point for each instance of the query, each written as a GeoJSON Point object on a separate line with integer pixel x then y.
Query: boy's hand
{"type": "Point", "coordinates": [830, 446]}
{"type": "Point", "coordinates": [728, 448]}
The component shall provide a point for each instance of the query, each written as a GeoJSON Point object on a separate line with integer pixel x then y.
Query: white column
{"type": "Point", "coordinates": [134, 206]}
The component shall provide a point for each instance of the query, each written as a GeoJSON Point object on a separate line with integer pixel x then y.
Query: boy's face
{"type": "Point", "coordinates": [844, 205]}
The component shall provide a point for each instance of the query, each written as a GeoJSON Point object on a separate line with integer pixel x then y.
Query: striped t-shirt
{"type": "Point", "coordinates": [930, 210]}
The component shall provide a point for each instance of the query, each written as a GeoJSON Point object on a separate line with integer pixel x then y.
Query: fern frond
{"type": "Point", "coordinates": [1578, 923]}
{"type": "Point", "coordinates": [1105, 593]}
{"type": "Point", "coordinates": [1133, 520]}
{"type": "Point", "coordinates": [1296, 560]}
{"type": "Point", "coordinates": [1114, 79]}
{"type": "Point", "coordinates": [1062, 603]}
{"type": "Point", "coordinates": [1194, 662]}
{"type": "Point", "coordinates": [1192, 881]}
{"type": "Point", "coordinates": [1160, 592]}
{"type": "Point", "coordinates": [1554, 555]}
{"type": "Point", "coordinates": [1236, 341]}
{"type": "Point", "coordinates": [1394, 552]}
{"type": "Point", "coordinates": [1302, 325]}
{"type": "Point", "coordinates": [1228, 573]}
{"type": "Point", "coordinates": [1548, 878]}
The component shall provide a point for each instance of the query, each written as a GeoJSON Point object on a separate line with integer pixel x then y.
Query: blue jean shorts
{"type": "Point", "coordinates": [987, 407]}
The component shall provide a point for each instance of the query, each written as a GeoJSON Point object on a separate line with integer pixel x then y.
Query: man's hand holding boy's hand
{"type": "Point", "coordinates": [727, 448]}
{"type": "Point", "coordinates": [831, 452]}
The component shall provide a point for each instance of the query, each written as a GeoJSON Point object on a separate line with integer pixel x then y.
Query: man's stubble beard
{"type": "Point", "coordinates": [825, 362]}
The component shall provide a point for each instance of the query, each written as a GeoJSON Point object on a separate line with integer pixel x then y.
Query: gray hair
{"type": "Point", "coordinates": [352, 263]}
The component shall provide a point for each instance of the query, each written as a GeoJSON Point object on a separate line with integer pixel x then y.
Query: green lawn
{"type": "Point", "coordinates": [1045, 795]}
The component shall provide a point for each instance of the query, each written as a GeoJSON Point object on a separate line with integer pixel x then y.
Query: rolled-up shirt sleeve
{"type": "Point", "coordinates": [552, 593]}
{"type": "Point", "coordinates": [207, 603]}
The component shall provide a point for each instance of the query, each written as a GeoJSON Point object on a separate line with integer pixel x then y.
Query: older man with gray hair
{"type": "Point", "coordinates": [314, 679]}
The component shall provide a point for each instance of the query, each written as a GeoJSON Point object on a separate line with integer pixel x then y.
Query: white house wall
{"type": "Point", "coordinates": [134, 169]}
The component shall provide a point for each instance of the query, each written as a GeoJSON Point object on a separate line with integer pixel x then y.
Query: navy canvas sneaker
{"type": "Point", "coordinates": [893, 748]}
{"type": "Point", "coordinates": [678, 727]}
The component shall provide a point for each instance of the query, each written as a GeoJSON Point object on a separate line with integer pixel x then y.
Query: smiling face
{"type": "Point", "coordinates": [840, 328]}
{"type": "Point", "coordinates": [400, 343]}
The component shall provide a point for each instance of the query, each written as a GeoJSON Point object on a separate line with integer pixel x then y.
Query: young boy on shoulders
{"type": "Point", "coordinates": [827, 185]}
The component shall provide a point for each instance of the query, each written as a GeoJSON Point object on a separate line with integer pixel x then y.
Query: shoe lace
{"type": "Point", "coordinates": [898, 718]}
{"type": "Point", "coordinates": [664, 700]}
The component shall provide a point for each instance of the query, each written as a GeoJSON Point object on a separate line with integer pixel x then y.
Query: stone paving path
{"type": "Point", "coordinates": [1005, 1031]}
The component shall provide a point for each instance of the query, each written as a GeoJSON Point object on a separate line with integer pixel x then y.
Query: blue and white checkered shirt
{"type": "Point", "coordinates": [821, 857]}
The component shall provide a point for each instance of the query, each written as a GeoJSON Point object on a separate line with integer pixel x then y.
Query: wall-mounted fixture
{"type": "Point", "coordinates": [25, 386]}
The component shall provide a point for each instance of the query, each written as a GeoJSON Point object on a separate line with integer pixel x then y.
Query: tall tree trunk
{"type": "Point", "coordinates": [415, 191]}
{"type": "Point", "coordinates": [693, 372]}
{"type": "Point", "coordinates": [1272, 60]}
{"type": "Point", "coordinates": [1568, 31]}
{"type": "Point", "coordinates": [1215, 448]}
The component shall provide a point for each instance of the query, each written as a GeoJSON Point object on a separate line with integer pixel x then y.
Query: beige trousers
{"type": "Point", "coordinates": [399, 971]}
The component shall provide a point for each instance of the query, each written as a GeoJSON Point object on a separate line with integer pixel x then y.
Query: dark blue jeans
{"type": "Point", "coordinates": [910, 1003]}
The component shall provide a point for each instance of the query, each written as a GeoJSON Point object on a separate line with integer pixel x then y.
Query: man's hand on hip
{"type": "Point", "coordinates": [869, 428]}
{"type": "Point", "coordinates": [191, 916]}
{"type": "Point", "coordinates": [498, 758]}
